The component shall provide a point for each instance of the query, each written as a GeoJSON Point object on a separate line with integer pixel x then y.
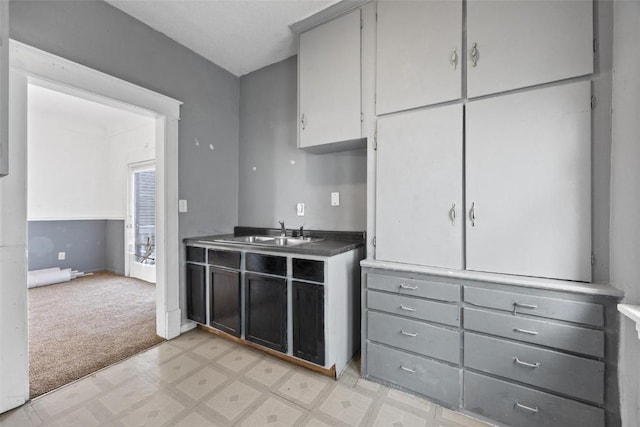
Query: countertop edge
{"type": "Point", "coordinates": [594, 289]}
{"type": "Point", "coordinates": [633, 313]}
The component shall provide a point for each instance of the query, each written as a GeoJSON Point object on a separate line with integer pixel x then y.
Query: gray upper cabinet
{"type": "Point", "coordinates": [419, 191]}
{"type": "Point", "coordinates": [534, 42]}
{"type": "Point", "coordinates": [329, 82]}
{"type": "Point", "coordinates": [528, 183]}
{"type": "Point", "coordinates": [4, 88]}
{"type": "Point", "coordinates": [419, 54]}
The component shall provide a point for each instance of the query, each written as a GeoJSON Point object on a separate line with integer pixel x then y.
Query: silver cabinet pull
{"type": "Point", "coordinates": [522, 305]}
{"type": "Point", "coordinates": [472, 214]}
{"type": "Point", "coordinates": [404, 368]}
{"type": "Point", "coordinates": [303, 122]}
{"type": "Point", "coordinates": [474, 54]}
{"type": "Point", "coordinates": [524, 331]}
{"type": "Point", "coordinates": [409, 334]}
{"type": "Point", "coordinates": [452, 214]}
{"type": "Point", "coordinates": [454, 59]}
{"type": "Point", "coordinates": [527, 364]}
{"type": "Point", "coordinates": [527, 408]}
{"type": "Point", "coordinates": [405, 308]}
{"type": "Point", "coordinates": [405, 286]}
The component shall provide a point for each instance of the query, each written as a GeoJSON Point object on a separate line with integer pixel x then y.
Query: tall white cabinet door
{"type": "Point", "coordinates": [4, 87]}
{"type": "Point", "coordinates": [329, 82]}
{"type": "Point", "coordinates": [527, 42]}
{"type": "Point", "coordinates": [528, 185]}
{"type": "Point", "coordinates": [419, 53]}
{"type": "Point", "coordinates": [419, 217]}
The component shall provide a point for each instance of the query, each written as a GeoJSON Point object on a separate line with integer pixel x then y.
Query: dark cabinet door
{"type": "Point", "coordinates": [225, 300]}
{"type": "Point", "coordinates": [266, 311]}
{"type": "Point", "coordinates": [308, 322]}
{"type": "Point", "coordinates": [196, 293]}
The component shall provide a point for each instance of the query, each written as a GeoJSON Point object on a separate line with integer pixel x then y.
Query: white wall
{"type": "Point", "coordinates": [78, 171]}
{"type": "Point", "coordinates": [625, 195]}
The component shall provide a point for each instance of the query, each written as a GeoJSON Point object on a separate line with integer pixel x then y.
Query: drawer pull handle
{"type": "Point", "coordinates": [524, 331]}
{"type": "Point", "coordinates": [404, 368]}
{"type": "Point", "coordinates": [527, 408]}
{"type": "Point", "coordinates": [527, 364]}
{"type": "Point", "coordinates": [522, 305]}
{"type": "Point", "coordinates": [405, 308]}
{"type": "Point", "coordinates": [405, 286]}
{"type": "Point", "coordinates": [409, 334]}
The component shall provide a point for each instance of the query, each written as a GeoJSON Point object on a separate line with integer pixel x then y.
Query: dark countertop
{"type": "Point", "coordinates": [332, 243]}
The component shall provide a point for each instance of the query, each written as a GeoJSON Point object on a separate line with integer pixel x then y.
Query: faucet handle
{"type": "Point", "coordinates": [301, 232]}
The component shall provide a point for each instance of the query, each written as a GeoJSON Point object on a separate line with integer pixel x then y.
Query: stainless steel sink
{"type": "Point", "coordinates": [269, 240]}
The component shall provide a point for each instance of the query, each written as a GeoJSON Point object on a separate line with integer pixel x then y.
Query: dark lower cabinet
{"type": "Point", "coordinates": [266, 311]}
{"type": "Point", "coordinates": [225, 300]}
{"type": "Point", "coordinates": [308, 322]}
{"type": "Point", "coordinates": [196, 293]}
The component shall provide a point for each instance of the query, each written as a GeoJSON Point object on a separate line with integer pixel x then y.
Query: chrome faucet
{"type": "Point", "coordinates": [301, 232]}
{"type": "Point", "coordinates": [283, 231]}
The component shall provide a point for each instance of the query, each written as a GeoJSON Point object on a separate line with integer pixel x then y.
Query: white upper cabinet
{"type": "Point", "coordinates": [528, 183]}
{"type": "Point", "coordinates": [514, 44]}
{"type": "Point", "coordinates": [419, 213]}
{"type": "Point", "coordinates": [418, 53]}
{"type": "Point", "coordinates": [329, 82]}
{"type": "Point", "coordinates": [4, 87]}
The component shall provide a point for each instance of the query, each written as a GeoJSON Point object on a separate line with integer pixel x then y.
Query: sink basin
{"type": "Point", "coordinates": [254, 239]}
{"type": "Point", "coordinates": [270, 240]}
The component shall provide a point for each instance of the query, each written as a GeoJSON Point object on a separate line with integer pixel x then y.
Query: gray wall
{"type": "Point", "coordinates": [89, 245]}
{"type": "Point", "coordinates": [285, 175]}
{"type": "Point", "coordinates": [97, 35]}
{"type": "Point", "coordinates": [625, 195]}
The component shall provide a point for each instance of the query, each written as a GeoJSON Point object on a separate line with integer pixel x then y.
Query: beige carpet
{"type": "Point", "coordinates": [78, 327]}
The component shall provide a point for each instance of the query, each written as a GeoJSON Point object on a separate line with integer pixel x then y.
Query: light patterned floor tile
{"type": "Point", "coordinates": [446, 418]}
{"type": "Point", "coordinates": [233, 400]}
{"type": "Point", "coordinates": [201, 382]}
{"type": "Point", "coordinates": [239, 360]}
{"type": "Point", "coordinates": [162, 352]}
{"type": "Point", "coordinates": [160, 409]}
{"type": "Point", "coordinates": [395, 417]}
{"type": "Point", "coordinates": [273, 412]}
{"type": "Point", "coordinates": [23, 416]}
{"type": "Point", "coordinates": [195, 420]}
{"type": "Point", "coordinates": [213, 348]}
{"type": "Point", "coordinates": [368, 385]}
{"type": "Point", "coordinates": [176, 368]}
{"type": "Point", "coordinates": [129, 394]}
{"type": "Point", "coordinates": [191, 339]}
{"type": "Point", "coordinates": [79, 418]}
{"type": "Point", "coordinates": [315, 422]}
{"type": "Point", "coordinates": [304, 388]}
{"type": "Point", "coordinates": [413, 401]}
{"type": "Point", "coordinates": [66, 397]}
{"type": "Point", "coordinates": [125, 370]}
{"type": "Point", "coordinates": [346, 405]}
{"type": "Point", "coordinates": [268, 371]}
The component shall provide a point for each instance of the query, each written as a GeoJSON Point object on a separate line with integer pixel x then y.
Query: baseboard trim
{"type": "Point", "coordinates": [186, 327]}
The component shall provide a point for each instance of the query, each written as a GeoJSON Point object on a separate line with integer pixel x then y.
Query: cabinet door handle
{"type": "Point", "coordinates": [303, 122]}
{"type": "Point", "coordinates": [522, 305]}
{"type": "Point", "coordinates": [405, 286]}
{"type": "Point", "coordinates": [474, 54]}
{"type": "Point", "coordinates": [404, 368]}
{"type": "Point", "coordinates": [452, 214]}
{"type": "Point", "coordinates": [472, 214]}
{"type": "Point", "coordinates": [527, 408]}
{"type": "Point", "coordinates": [454, 58]}
{"type": "Point", "coordinates": [405, 308]}
{"type": "Point", "coordinates": [527, 364]}
{"type": "Point", "coordinates": [524, 331]}
{"type": "Point", "coordinates": [409, 334]}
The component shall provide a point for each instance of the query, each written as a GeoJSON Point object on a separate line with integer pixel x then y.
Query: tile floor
{"type": "Point", "coordinates": [200, 380]}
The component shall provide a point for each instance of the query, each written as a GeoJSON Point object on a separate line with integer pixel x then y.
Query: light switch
{"type": "Point", "coordinates": [182, 206]}
{"type": "Point", "coordinates": [300, 209]}
{"type": "Point", "coordinates": [61, 256]}
{"type": "Point", "coordinates": [335, 199]}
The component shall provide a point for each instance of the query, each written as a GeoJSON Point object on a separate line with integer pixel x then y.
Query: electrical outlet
{"type": "Point", "coordinates": [182, 205]}
{"type": "Point", "coordinates": [335, 199]}
{"type": "Point", "coordinates": [300, 209]}
{"type": "Point", "coordinates": [61, 256]}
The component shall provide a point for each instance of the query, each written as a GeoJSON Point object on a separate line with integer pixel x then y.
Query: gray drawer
{"type": "Point", "coordinates": [419, 288]}
{"type": "Point", "coordinates": [500, 400]}
{"type": "Point", "coordinates": [424, 376]}
{"type": "Point", "coordinates": [418, 337]}
{"type": "Point", "coordinates": [559, 372]}
{"type": "Point", "coordinates": [543, 332]}
{"type": "Point", "coordinates": [414, 307]}
{"type": "Point", "coordinates": [553, 308]}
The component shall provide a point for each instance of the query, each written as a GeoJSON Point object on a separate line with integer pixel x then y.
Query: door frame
{"type": "Point", "coordinates": [145, 165]}
{"type": "Point", "coordinates": [32, 65]}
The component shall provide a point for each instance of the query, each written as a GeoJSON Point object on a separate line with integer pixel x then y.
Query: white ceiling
{"type": "Point", "coordinates": [241, 36]}
{"type": "Point", "coordinates": [60, 106]}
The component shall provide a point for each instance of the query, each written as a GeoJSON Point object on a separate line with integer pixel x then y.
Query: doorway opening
{"type": "Point", "coordinates": [141, 222]}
